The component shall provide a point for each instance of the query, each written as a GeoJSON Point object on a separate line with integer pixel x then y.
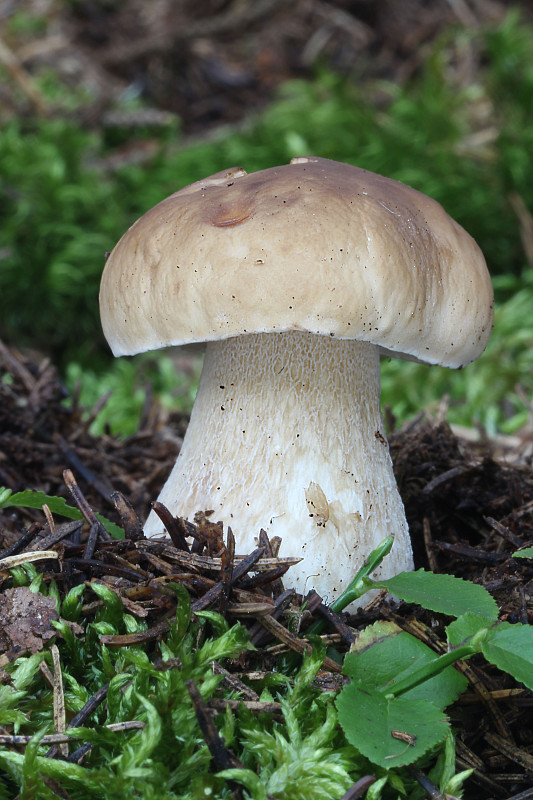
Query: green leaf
{"type": "Point", "coordinates": [374, 792]}
{"type": "Point", "coordinates": [443, 773]}
{"type": "Point", "coordinates": [113, 609]}
{"type": "Point", "coordinates": [6, 792]}
{"type": "Point", "coordinates": [76, 695]}
{"type": "Point", "coordinates": [182, 620]}
{"type": "Point", "coordinates": [12, 716]}
{"type": "Point", "coordinates": [139, 748]}
{"type": "Point", "coordinates": [462, 629]}
{"type": "Point", "coordinates": [67, 634]}
{"type": "Point", "coordinates": [247, 778]}
{"type": "Point", "coordinates": [116, 698]}
{"type": "Point", "coordinates": [384, 654]}
{"type": "Point", "coordinates": [229, 644]}
{"type": "Point", "coordinates": [527, 552]}
{"type": "Point", "coordinates": [445, 594]}
{"type": "Point", "coordinates": [27, 668]}
{"type": "Point", "coordinates": [390, 732]}
{"type": "Point", "coordinates": [53, 591]}
{"type": "Point", "coordinates": [103, 628]}
{"type": "Point", "coordinates": [55, 768]}
{"type": "Point", "coordinates": [5, 494]}
{"type": "Point", "coordinates": [31, 780]}
{"type": "Point", "coordinates": [218, 623]}
{"type": "Point", "coordinates": [311, 663]}
{"type": "Point", "coordinates": [57, 505]}
{"type": "Point", "coordinates": [510, 648]}
{"type": "Point", "coordinates": [73, 603]}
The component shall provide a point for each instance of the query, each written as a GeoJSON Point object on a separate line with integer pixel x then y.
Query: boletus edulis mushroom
{"type": "Point", "coordinates": [297, 278]}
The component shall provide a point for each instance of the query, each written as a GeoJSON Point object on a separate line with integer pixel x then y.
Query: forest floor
{"type": "Point", "coordinates": [214, 62]}
{"type": "Point", "coordinates": [469, 505]}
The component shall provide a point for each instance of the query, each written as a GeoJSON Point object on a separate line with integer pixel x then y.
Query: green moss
{"type": "Point", "coordinates": [468, 144]}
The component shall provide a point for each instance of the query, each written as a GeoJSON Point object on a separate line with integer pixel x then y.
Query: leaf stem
{"type": "Point", "coordinates": [428, 671]}
{"type": "Point", "coordinates": [360, 584]}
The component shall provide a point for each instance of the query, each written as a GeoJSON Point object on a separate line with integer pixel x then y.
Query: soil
{"type": "Point", "coordinates": [469, 506]}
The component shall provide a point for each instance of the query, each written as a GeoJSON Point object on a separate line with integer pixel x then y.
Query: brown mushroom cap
{"type": "Point", "coordinates": [314, 245]}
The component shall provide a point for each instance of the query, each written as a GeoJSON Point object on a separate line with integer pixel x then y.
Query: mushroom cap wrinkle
{"type": "Point", "coordinates": [314, 245]}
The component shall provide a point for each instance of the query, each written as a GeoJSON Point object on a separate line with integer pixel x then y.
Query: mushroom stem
{"type": "Point", "coordinates": [286, 434]}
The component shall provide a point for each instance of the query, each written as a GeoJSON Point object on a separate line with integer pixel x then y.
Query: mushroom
{"type": "Point", "coordinates": [297, 278]}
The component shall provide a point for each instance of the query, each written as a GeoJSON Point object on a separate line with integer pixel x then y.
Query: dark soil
{"type": "Point", "coordinates": [469, 507]}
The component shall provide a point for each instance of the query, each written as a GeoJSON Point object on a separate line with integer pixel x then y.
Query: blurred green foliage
{"type": "Point", "coordinates": [466, 141]}
{"type": "Point", "coordinates": [58, 219]}
{"type": "Point", "coordinates": [494, 390]}
{"type": "Point", "coordinates": [125, 383]}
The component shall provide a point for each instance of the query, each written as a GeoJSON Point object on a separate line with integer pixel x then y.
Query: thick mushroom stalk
{"type": "Point", "coordinates": [286, 434]}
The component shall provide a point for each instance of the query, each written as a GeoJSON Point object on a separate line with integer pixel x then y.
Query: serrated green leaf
{"type": "Point", "coordinates": [445, 594]}
{"type": "Point", "coordinates": [76, 695]}
{"type": "Point", "coordinates": [384, 654]}
{"type": "Point", "coordinates": [57, 505]}
{"type": "Point", "coordinates": [510, 648]}
{"type": "Point", "coordinates": [390, 732]}
{"type": "Point", "coordinates": [465, 627]}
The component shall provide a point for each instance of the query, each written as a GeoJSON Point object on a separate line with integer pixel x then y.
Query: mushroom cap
{"type": "Point", "coordinates": [314, 245]}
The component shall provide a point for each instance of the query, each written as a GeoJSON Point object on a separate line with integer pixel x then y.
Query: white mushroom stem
{"type": "Point", "coordinates": [286, 434]}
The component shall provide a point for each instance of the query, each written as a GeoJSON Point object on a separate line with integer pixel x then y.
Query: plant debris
{"type": "Point", "coordinates": [25, 619]}
{"type": "Point", "coordinates": [469, 507]}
